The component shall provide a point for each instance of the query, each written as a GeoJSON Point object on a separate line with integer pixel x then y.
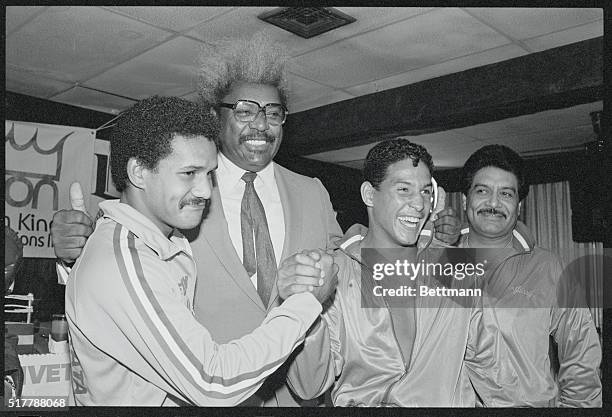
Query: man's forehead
{"type": "Point", "coordinates": [405, 171]}
{"type": "Point", "coordinates": [193, 147]}
{"type": "Point", "coordinates": [494, 176]}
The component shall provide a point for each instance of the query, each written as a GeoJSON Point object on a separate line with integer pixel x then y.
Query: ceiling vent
{"type": "Point", "coordinates": [307, 21]}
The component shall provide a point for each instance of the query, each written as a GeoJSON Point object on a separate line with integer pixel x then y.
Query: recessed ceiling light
{"type": "Point", "coordinates": [307, 22]}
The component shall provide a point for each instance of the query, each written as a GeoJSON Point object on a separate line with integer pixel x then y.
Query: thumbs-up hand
{"type": "Point", "coordinates": [71, 228]}
{"type": "Point", "coordinates": [446, 221]}
{"type": "Point", "coordinates": [441, 202]}
{"type": "Point", "coordinates": [77, 202]}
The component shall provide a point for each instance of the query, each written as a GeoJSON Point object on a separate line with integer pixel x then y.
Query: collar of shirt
{"type": "Point", "coordinates": [145, 229]}
{"type": "Point", "coordinates": [229, 176]}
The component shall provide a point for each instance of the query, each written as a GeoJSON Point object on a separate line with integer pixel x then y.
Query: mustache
{"type": "Point", "coordinates": [491, 211]}
{"type": "Point", "coordinates": [196, 201]}
{"type": "Point", "coordinates": [258, 136]}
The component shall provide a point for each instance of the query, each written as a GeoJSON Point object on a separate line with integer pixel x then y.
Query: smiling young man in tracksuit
{"type": "Point", "coordinates": [403, 356]}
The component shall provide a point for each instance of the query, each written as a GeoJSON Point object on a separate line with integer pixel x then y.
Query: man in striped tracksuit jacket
{"type": "Point", "coordinates": [134, 339]}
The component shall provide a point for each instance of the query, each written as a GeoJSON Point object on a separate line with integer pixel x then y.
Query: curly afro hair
{"type": "Point", "coordinates": [255, 59]}
{"type": "Point", "coordinates": [498, 156]}
{"type": "Point", "coordinates": [390, 151]}
{"type": "Point", "coordinates": [145, 131]}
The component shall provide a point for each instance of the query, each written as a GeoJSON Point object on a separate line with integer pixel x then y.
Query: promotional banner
{"type": "Point", "coordinates": [46, 375]}
{"type": "Point", "coordinates": [41, 161]}
{"type": "Point", "coordinates": [102, 187]}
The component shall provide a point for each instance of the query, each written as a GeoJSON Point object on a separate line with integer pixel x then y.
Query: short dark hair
{"type": "Point", "coordinates": [390, 151]}
{"type": "Point", "coordinates": [498, 156]}
{"type": "Point", "coordinates": [145, 131]}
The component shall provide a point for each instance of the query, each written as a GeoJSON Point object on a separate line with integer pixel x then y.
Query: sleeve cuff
{"type": "Point", "coordinates": [304, 304]}
{"type": "Point", "coordinates": [63, 270]}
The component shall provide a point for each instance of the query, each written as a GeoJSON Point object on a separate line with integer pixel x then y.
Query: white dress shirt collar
{"type": "Point", "coordinates": [229, 175]}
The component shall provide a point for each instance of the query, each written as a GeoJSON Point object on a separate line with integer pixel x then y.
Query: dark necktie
{"type": "Point", "coordinates": [258, 253]}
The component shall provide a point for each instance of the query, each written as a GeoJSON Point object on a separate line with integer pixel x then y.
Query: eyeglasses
{"type": "Point", "coordinates": [246, 111]}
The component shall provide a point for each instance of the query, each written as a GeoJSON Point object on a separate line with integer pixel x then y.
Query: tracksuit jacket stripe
{"type": "Point", "coordinates": [165, 333]}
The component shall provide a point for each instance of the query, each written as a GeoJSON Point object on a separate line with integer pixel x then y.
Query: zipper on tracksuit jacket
{"type": "Point", "coordinates": [385, 399]}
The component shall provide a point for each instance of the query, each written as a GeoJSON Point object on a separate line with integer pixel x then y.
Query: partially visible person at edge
{"type": "Point", "coordinates": [244, 81]}
{"type": "Point", "coordinates": [134, 340]}
{"type": "Point", "coordinates": [523, 305]}
{"type": "Point", "coordinates": [383, 354]}
{"type": "Point", "coordinates": [13, 259]}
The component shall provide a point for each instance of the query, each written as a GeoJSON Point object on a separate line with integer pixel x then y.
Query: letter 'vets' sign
{"type": "Point", "coordinates": [56, 372]}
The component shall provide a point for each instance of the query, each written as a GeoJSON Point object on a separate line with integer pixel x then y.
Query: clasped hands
{"type": "Point", "coordinates": [310, 270]}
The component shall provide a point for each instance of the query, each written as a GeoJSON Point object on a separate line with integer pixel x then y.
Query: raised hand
{"type": "Point", "coordinates": [447, 226]}
{"type": "Point", "coordinates": [312, 271]}
{"type": "Point", "coordinates": [77, 202]}
{"type": "Point", "coordinates": [327, 265]}
{"type": "Point", "coordinates": [71, 228]}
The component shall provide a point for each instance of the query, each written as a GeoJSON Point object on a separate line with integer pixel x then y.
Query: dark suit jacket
{"type": "Point", "coordinates": [226, 302]}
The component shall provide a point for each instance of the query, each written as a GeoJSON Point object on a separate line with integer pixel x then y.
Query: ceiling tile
{"type": "Point", "coordinates": [367, 18]}
{"type": "Point", "coordinates": [32, 84]}
{"type": "Point", "coordinates": [302, 90]}
{"type": "Point", "coordinates": [353, 164]}
{"type": "Point", "coordinates": [331, 156]}
{"type": "Point", "coordinates": [575, 34]}
{"type": "Point", "coordinates": [532, 123]}
{"type": "Point", "coordinates": [51, 49]}
{"type": "Point", "coordinates": [17, 15]}
{"type": "Point", "coordinates": [549, 141]}
{"type": "Point", "coordinates": [455, 159]}
{"type": "Point", "coordinates": [238, 23]}
{"type": "Point", "coordinates": [570, 116]}
{"type": "Point", "coordinates": [524, 23]}
{"type": "Point", "coordinates": [498, 129]}
{"type": "Point", "coordinates": [446, 148]}
{"type": "Point", "coordinates": [174, 18]}
{"type": "Point", "coordinates": [84, 97]}
{"type": "Point", "coordinates": [354, 153]}
{"type": "Point", "coordinates": [330, 97]}
{"type": "Point", "coordinates": [447, 139]}
{"type": "Point", "coordinates": [344, 155]}
{"type": "Point", "coordinates": [168, 69]}
{"type": "Point", "coordinates": [74, 43]}
{"type": "Point", "coordinates": [439, 144]}
{"type": "Point", "coordinates": [450, 149]}
{"type": "Point", "coordinates": [305, 94]}
{"type": "Point", "coordinates": [422, 41]}
{"type": "Point", "coordinates": [437, 70]}
{"type": "Point", "coordinates": [243, 20]}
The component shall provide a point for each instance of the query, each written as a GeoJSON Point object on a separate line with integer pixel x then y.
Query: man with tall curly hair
{"type": "Point", "coordinates": [244, 82]}
{"type": "Point", "coordinates": [134, 339]}
{"type": "Point", "coordinates": [260, 214]}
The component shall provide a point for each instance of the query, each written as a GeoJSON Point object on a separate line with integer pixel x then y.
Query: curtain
{"type": "Point", "coordinates": [547, 213]}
